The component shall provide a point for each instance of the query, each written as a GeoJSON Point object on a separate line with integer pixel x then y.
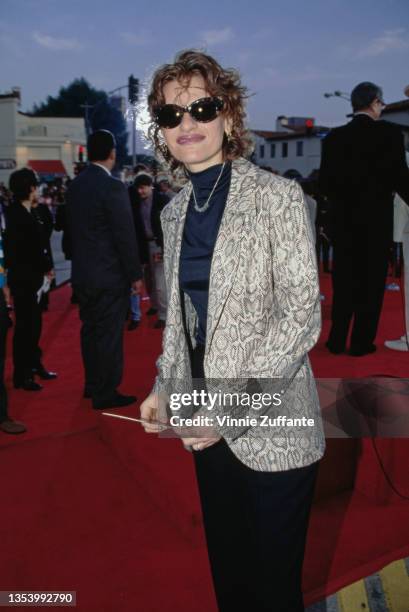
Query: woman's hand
{"type": "Point", "coordinates": [153, 409]}
{"type": "Point", "coordinates": [199, 444]}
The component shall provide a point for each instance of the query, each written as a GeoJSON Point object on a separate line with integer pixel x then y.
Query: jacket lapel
{"type": "Point", "coordinates": [174, 217]}
{"type": "Point", "coordinates": [226, 254]}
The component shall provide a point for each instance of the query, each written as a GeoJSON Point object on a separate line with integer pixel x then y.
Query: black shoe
{"type": "Point", "coordinates": [12, 427]}
{"type": "Point", "coordinates": [44, 374]}
{"type": "Point", "coordinates": [133, 325]}
{"type": "Point", "coordinates": [160, 324]}
{"type": "Point", "coordinates": [28, 385]}
{"type": "Point", "coordinates": [335, 350]}
{"type": "Point", "coordinates": [118, 401]}
{"type": "Point", "coordinates": [360, 351]}
{"type": "Point", "coordinates": [151, 311]}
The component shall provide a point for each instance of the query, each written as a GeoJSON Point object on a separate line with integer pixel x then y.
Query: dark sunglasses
{"type": "Point", "coordinates": [203, 110]}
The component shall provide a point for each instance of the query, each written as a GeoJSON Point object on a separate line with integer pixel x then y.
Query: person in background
{"type": "Point", "coordinates": [323, 232]}
{"type": "Point", "coordinates": [362, 165]}
{"type": "Point", "coordinates": [165, 188]}
{"type": "Point", "coordinates": [105, 266]}
{"type": "Point", "coordinates": [41, 212]}
{"type": "Point", "coordinates": [401, 235]}
{"type": "Point", "coordinates": [311, 202]}
{"type": "Point", "coordinates": [7, 425]}
{"type": "Point", "coordinates": [62, 225]}
{"type": "Point", "coordinates": [28, 265]}
{"type": "Point", "coordinates": [147, 205]}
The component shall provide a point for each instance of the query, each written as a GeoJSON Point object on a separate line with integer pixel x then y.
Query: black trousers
{"type": "Point", "coordinates": [4, 325]}
{"type": "Point", "coordinates": [27, 332]}
{"type": "Point", "coordinates": [358, 279]}
{"type": "Point", "coordinates": [103, 314]}
{"type": "Point", "coordinates": [256, 526]}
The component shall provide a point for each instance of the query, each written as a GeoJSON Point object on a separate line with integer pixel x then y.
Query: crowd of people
{"type": "Point", "coordinates": [148, 195]}
{"type": "Point", "coordinates": [30, 210]}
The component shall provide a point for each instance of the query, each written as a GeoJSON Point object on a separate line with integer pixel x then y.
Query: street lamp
{"type": "Point", "coordinates": [338, 94]}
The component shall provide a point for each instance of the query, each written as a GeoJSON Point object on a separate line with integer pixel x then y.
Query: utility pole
{"type": "Point", "coordinates": [86, 107]}
{"type": "Point", "coordinates": [133, 92]}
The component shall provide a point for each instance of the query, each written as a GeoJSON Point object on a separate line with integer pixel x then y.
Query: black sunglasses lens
{"type": "Point", "coordinates": [169, 116]}
{"type": "Point", "coordinates": [204, 110]}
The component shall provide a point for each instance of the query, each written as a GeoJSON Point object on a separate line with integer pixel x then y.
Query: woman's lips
{"type": "Point", "coordinates": [182, 140]}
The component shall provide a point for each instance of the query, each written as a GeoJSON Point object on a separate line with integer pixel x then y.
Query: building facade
{"type": "Point", "coordinates": [49, 145]}
{"type": "Point", "coordinates": [294, 148]}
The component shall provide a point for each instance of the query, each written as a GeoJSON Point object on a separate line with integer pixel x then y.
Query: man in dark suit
{"type": "Point", "coordinates": [105, 264]}
{"type": "Point", "coordinates": [363, 164]}
{"type": "Point", "coordinates": [147, 204]}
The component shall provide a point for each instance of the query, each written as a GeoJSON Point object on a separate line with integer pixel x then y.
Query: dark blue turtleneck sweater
{"type": "Point", "coordinates": [199, 237]}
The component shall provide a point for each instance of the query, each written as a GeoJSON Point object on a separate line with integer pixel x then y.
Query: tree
{"type": "Point", "coordinates": [106, 117]}
{"type": "Point", "coordinates": [102, 115]}
{"type": "Point", "coordinates": [69, 100]}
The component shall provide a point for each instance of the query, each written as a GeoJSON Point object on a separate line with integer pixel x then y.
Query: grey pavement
{"type": "Point", "coordinates": [61, 265]}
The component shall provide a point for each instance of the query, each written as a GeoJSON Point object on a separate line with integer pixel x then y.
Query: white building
{"type": "Point", "coordinates": [49, 145]}
{"type": "Point", "coordinates": [397, 112]}
{"type": "Point", "coordinates": [293, 149]}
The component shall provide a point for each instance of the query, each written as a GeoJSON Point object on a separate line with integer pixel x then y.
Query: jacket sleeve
{"type": "Point", "coordinates": [121, 221]}
{"type": "Point", "coordinates": [296, 323]}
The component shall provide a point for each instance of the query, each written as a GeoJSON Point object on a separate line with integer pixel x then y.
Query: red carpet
{"type": "Point", "coordinates": [92, 504]}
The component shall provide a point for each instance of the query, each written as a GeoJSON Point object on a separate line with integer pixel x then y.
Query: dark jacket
{"type": "Point", "coordinates": [26, 257]}
{"type": "Point", "coordinates": [61, 225]}
{"type": "Point", "coordinates": [363, 163]}
{"type": "Point", "coordinates": [44, 217]}
{"type": "Point", "coordinates": [104, 249]}
{"type": "Point", "coordinates": [159, 201]}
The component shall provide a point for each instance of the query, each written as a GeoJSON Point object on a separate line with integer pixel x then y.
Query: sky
{"type": "Point", "coordinates": [288, 52]}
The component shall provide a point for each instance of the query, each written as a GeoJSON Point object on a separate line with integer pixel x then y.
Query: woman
{"type": "Point", "coordinates": [243, 299]}
{"type": "Point", "coordinates": [27, 262]}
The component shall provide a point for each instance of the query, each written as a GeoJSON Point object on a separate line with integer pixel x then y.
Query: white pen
{"type": "Point", "coordinates": [127, 418]}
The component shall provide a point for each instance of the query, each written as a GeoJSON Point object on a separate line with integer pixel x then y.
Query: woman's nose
{"type": "Point", "coordinates": [187, 122]}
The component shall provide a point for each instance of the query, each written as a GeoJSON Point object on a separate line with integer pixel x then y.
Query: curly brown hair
{"type": "Point", "coordinates": [219, 82]}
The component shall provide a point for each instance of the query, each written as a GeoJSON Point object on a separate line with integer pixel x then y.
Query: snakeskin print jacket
{"type": "Point", "coordinates": [263, 313]}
